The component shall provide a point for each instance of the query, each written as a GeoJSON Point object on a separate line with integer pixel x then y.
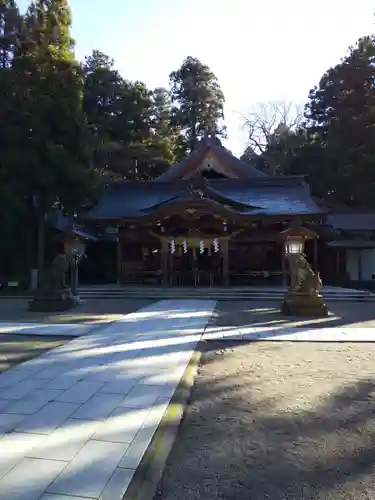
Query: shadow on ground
{"type": "Point", "coordinates": [93, 311]}
{"type": "Point", "coordinates": [15, 349]}
{"type": "Point", "coordinates": [348, 314]}
{"type": "Point", "coordinates": [277, 421]}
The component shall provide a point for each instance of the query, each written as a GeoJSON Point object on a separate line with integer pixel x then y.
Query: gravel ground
{"type": "Point", "coordinates": [277, 421]}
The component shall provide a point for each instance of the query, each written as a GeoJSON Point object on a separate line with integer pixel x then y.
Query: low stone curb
{"type": "Point", "coordinates": [148, 474]}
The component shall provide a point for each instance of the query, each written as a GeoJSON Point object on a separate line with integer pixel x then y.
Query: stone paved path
{"type": "Point", "coordinates": [46, 329]}
{"type": "Point", "coordinates": [75, 422]}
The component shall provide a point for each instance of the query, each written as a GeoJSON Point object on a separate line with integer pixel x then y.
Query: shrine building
{"type": "Point", "coordinates": [209, 220]}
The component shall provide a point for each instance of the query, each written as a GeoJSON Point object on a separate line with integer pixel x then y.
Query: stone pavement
{"type": "Point", "coordinates": [76, 422]}
{"type": "Point", "coordinates": [46, 329]}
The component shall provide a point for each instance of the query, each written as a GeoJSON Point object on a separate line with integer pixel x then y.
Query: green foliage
{"type": "Point", "coordinates": [51, 132]}
{"type": "Point", "coordinates": [254, 159]}
{"type": "Point", "coordinates": [129, 123]}
{"type": "Point", "coordinates": [45, 156]}
{"type": "Point", "coordinates": [198, 101]}
{"type": "Point", "coordinates": [335, 147]}
{"type": "Point", "coordinates": [10, 25]}
{"type": "Point", "coordinates": [341, 117]}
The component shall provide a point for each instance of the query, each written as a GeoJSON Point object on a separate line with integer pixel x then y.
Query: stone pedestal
{"type": "Point", "coordinates": [47, 300]}
{"type": "Point", "coordinates": [303, 304]}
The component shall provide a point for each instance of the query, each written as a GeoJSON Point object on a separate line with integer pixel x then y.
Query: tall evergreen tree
{"type": "Point", "coordinates": [11, 209]}
{"type": "Point", "coordinates": [10, 25]}
{"type": "Point", "coordinates": [130, 123]}
{"type": "Point", "coordinates": [49, 161]}
{"type": "Point", "coordinates": [197, 99]}
{"type": "Point", "coordinates": [341, 117]}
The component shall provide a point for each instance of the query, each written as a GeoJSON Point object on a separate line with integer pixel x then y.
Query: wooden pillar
{"type": "Point", "coordinates": [119, 258]}
{"type": "Point", "coordinates": [164, 260]}
{"type": "Point", "coordinates": [359, 259]}
{"type": "Point", "coordinates": [224, 245]}
{"type": "Point", "coordinates": [338, 267]}
{"type": "Point", "coordinates": [284, 276]}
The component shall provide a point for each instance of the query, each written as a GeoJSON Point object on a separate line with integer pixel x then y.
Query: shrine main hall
{"type": "Point", "coordinates": [215, 220]}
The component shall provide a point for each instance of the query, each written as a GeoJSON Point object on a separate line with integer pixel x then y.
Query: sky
{"type": "Point", "coordinates": [260, 50]}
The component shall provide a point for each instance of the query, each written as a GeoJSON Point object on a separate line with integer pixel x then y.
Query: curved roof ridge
{"type": "Point", "coordinates": [213, 143]}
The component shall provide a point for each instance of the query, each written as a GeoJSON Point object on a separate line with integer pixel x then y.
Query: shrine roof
{"type": "Point", "coordinates": [352, 221]}
{"type": "Point", "coordinates": [355, 244]}
{"type": "Point", "coordinates": [66, 224]}
{"type": "Point", "coordinates": [260, 196]}
{"type": "Point", "coordinates": [190, 163]}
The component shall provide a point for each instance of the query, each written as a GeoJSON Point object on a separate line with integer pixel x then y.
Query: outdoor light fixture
{"type": "Point", "coordinates": [216, 245]}
{"type": "Point", "coordinates": [201, 246]}
{"type": "Point", "coordinates": [225, 226]}
{"type": "Point", "coordinates": [294, 245]}
{"type": "Point", "coordinates": [172, 246]}
{"type": "Point", "coordinates": [185, 246]}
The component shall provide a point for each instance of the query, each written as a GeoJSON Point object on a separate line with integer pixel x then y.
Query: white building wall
{"type": "Point", "coordinates": [360, 264]}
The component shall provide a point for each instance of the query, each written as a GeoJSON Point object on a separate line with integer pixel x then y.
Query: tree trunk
{"type": "Point", "coordinates": [193, 136]}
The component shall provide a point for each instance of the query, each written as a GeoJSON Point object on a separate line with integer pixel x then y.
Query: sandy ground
{"type": "Point", "coordinates": [277, 421]}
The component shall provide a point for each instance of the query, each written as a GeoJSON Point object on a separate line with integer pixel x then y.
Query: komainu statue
{"type": "Point", "coordinates": [302, 278]}
{"type": "Point", "coordinates": [54, 294]}
{"type": "Point", "coordinates": [55, 277]}
{"type": "Point", "coordinates": [303, 297]}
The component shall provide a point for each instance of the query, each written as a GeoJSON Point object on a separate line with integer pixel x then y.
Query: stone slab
{"type": "Point", "coordinates": [46, 329]}
{"type": "Point", "coordinates": [29, 479]}
{"type": "Point", "coordinates": [111, 389]}
{"type": "Point", "coordinates": [89, 472]}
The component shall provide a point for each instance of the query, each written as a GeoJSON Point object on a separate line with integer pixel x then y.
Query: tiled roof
{"type": "Point", "coordinates": [262, 196]}
{"type": "Point", "coordinates": [360, 244]}
{"type": "Point", "coordinates": [352, 221]}
{"type": "Point", "coordinates": [65, 224]}
{"type": "Point", "coordinates": [191, 162]}
{"type": "Point", "coordinates": [271, 196]}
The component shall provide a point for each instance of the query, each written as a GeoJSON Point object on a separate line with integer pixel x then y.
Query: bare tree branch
{"type": "Point", "coordinates": [267, 120]}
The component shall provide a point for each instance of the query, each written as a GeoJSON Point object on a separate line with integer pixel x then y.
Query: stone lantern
{"type": "Point", "coordinates": [303, 297]}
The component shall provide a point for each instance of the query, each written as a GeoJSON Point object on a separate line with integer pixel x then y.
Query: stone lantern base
{"type": "Point", "coordinates": [304, 304]}
{"type": "Point", "coordinates": [53, 300]}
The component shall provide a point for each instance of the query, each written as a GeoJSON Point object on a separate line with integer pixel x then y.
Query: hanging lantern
{"type": "Point", "coordinates": [201, 246]}
{"type": "Point", "coordinates": [185, 246]}
{"type": "Point", "coordinates": [172, 246]}
{"type": "Point", "coordinates": [225, 226]}
{"type": "Point", "coordinates": [216, 245]}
